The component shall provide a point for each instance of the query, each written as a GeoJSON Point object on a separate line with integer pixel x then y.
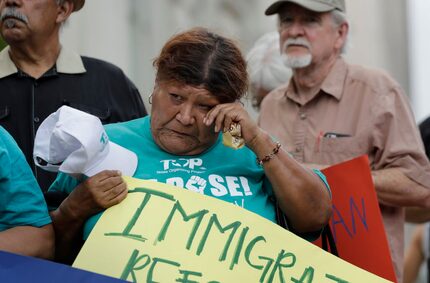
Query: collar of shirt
{"type": "Point", "coordinates": [68, 62]}
{"type": "Point", "coordinates": [332, 85]}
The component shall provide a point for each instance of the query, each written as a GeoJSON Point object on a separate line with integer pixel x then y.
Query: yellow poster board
{"type": "Point", "coordinates": [161, 233]}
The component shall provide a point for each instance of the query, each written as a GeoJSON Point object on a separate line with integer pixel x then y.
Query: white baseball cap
{"type": "Point", "coordinates": [75, 142]}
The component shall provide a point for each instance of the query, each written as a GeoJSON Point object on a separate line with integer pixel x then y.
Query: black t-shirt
{"type": "Point", "coordinates": [103, 90]}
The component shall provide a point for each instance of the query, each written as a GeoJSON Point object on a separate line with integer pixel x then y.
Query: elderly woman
{"type": "Point", "coordinates": [200, 78]}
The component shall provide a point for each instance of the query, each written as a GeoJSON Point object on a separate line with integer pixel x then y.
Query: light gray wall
{"type": "Point", "coordinates": [418, 37]}
{"type": "Point", "coordinates": [101, 30]}
{"type": "Point", "coordinates": [378, 34]}
{"type": "Point", "coordinates": [242, 20]}
{"type": "Point", "coordinates": [130, 33]}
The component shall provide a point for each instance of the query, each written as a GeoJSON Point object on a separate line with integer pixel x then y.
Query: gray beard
{"type": "Point", "coordinates": [296, 62]}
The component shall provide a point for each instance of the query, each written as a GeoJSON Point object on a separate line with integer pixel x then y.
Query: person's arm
{"type": "Point", "coordinates": [315, 166]}
{"type": "Point", "coordinates": [414, 256]}
{"type": "Point", "coordinates": [92, 196]}
{"type": "Point", "coordinates": [23, 210]}
{"type": "Point", "coordinates": [400, 169]}
{"type": "Point", "coordinates": [394, 188]}
{"type": "Point", "coordinates": [29, 240]}
{"type": "Point", "coordinates": [301, 194]}
{"type": "Point", "coordinates": [417, 214]}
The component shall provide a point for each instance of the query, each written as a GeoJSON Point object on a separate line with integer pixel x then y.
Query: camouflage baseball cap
{"type": "Point", "coordinates": [313, 5]}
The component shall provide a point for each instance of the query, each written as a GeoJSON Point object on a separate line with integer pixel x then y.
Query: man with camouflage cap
{"type": "Point", "coordinates": [332, 111]}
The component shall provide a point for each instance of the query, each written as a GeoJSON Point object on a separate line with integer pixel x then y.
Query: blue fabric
{"type": "Point", "coordinates": [221, 172]}
{"type": "Point", "coordinates": [23, 269]}
{"type": "Point", "coordinates": [21, 200]}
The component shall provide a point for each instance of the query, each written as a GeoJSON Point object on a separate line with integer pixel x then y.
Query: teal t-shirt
{"type": "Point", "coordinates": [21, 199]}
{"type": "Point", "coordinates": [221, 172]}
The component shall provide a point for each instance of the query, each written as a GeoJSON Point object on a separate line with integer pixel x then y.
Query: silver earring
{"type": "Point", "coordinates": [150, 99]}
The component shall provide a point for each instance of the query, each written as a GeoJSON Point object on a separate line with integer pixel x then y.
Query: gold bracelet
{"type": "Point", "coordinates": [269, 156]}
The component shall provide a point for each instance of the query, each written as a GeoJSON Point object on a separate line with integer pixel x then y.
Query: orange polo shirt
{"type": "Point", "coordinates": [357, 111]}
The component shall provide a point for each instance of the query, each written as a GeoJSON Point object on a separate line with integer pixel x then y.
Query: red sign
{"type": "Point", "coordinates": [356, 222]}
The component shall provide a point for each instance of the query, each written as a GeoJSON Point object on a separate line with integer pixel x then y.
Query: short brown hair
{"type": "Point", "coordinates": [201, 58]}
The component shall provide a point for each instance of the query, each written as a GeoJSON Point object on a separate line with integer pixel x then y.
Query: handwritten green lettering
{"type": "Point", "coordinates": [178, 207]}
{"type": "Point", "coordinates": [334, 278]}
{"type": "Point", "coordinates": [214, 220]}
{"type": "Point", "coordinates": [279, 265]}
{"type": "Point", "coordinates": [155, 262]}
{"type": "Point", "coordinates": [148, 193]}
{"type": "Point", "coordinates": [132, 265]}
{"type": "Point", "coordinates": [186, 274]}
{"type": "Point", "coordinates": [307, 275]}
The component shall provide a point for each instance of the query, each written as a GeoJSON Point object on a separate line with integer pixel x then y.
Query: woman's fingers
{"type": "Point", "coordinates": [123, 191]}
{"type": "Point", "coordinates": [222, 116]}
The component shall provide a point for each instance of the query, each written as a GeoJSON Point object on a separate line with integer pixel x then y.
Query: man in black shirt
{"type": "Point", "coordinates": [38, 75]}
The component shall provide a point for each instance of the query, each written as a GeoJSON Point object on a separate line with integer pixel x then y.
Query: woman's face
{"type": "Point", "coordinates": [177, 118]}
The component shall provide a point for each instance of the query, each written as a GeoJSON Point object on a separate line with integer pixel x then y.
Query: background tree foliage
{"type": "Point", "coordinates": [2, 43]}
